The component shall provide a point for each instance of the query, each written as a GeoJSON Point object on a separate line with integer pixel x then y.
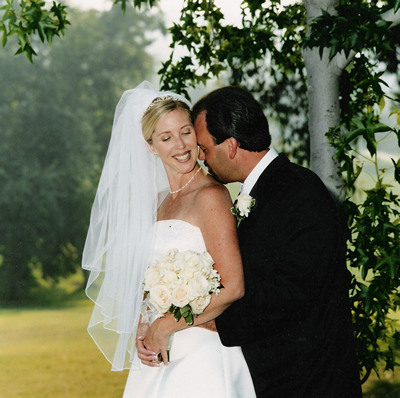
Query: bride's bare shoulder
{"type": "Point", "coordinates": [212, 195]}
{"type": "Point", "coordinates": [212, 212]}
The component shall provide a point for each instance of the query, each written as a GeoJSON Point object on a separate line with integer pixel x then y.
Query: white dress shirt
{"type": "Point", "coordinates": [252, 178]}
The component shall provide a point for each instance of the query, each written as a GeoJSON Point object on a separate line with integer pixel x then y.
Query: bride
{"type": "Point", "coordinates": [153, 197]}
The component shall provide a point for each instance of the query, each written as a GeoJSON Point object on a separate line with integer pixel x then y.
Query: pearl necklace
{"type": "Point", "coordinates": [180, 189]}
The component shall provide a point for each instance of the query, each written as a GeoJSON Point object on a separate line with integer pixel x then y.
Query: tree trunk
{"type": "Point", "coordinates": [324, 109]}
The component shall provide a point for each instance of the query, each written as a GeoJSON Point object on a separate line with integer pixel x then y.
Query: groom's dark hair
{"type": "Point", "coordinates": [233, 112]}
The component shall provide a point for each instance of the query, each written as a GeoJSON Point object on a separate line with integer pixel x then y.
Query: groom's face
{"type": "Point", "coordinates": [213, 155]}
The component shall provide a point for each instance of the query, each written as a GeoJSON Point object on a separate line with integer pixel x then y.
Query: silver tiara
{"type": "Point", "coordinates": [160, 99]}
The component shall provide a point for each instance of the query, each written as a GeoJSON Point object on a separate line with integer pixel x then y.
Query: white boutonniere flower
{"type": "Point", "coordinates": [242, 206]}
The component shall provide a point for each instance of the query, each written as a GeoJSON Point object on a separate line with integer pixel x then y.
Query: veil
{"type": "Point", "coordinates": [120, 239]}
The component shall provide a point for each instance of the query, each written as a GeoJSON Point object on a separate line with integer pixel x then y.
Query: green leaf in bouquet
{"type": "Point", "coordinates": [178, 316]}
{"type": "Point", "coordinates": [189, 319]}
{"type": "Point", "coordinates": [176, 312]}
{"type": "Point", "coordinates": [185, 310]}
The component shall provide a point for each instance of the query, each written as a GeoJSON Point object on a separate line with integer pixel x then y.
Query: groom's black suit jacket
{"type": "Point", "coordinates": [294, 321]}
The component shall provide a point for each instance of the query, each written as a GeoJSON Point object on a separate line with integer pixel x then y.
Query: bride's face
{"type": "Point", "coordinates": [174, 140]}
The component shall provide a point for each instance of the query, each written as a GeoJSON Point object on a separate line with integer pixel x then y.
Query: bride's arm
{"type": "Point", "coordinates": [211, 210]}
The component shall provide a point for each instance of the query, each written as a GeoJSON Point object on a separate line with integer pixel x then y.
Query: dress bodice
{"type": "Point", "coordinates": [177, 234]}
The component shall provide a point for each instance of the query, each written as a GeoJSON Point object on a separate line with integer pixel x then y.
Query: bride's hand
{"type": "Point", "coordinates": [146, 356]}
{"type": "Point", "coordinates": [156, 340]}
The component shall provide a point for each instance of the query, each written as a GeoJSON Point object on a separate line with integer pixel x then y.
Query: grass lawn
{"type": "Point", "coordinates": [387, 386]}
{"type": "Point", "coordinates": [47, 353]}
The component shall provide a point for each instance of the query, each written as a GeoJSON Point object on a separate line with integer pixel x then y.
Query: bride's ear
{"type": "Point", "coordinates": [152, 149]}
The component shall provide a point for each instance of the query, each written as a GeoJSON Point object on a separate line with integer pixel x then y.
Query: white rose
{"type": "Point", "coordinates": [170, 279]}
{"type": "Point", "coordinates": [160, 297]}
{"type": "Point", "coordinates": [165, 264]}
{"type": "Point", "coordinates": [198, 286]}
{"type": "Point", "coordinates": [206, 264]}
{"type": "Point", "coordinates": [243, 204]}
{"type": "Point", "coordinates": [199, 304]}
{"type": "Point", "coordinates": [177, 264]}
{"type": "Point", "coordinates": [191, 259]}
{"type": "Point", "coordinates": [188, 272]}
{"type": "Point", "coordinates": [152, 278]}
{"type": "Point", "coordinates": [180, 296]}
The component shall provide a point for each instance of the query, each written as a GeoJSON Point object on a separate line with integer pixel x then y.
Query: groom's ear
{"type": "Point", "coordinates": [233, 146]}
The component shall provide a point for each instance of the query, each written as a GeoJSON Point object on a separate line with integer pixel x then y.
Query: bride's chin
{"type": "Point", "coordinates": [189, 165]}
{"type": "Point", "coordinates": [187, 170]}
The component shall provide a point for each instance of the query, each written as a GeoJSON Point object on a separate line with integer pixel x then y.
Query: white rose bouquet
{"type": "Point", "coordinates": [181, 283]}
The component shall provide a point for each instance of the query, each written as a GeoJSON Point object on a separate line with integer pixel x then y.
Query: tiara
{"type": "Point", "coordinates": [160, 99]}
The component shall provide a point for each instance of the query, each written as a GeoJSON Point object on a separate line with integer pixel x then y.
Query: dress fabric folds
{"type": "Point", "coordinates": [200, 366]}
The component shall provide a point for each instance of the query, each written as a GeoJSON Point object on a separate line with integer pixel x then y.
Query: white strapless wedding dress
{"type": "Point", "coordinates": [200, 366]}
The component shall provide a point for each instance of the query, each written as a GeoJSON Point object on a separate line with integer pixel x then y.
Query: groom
{"type": "Point", "coordinates": [293, 323]}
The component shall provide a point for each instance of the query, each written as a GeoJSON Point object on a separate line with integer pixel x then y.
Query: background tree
{"type": "Point", "coordinates": [56, 118]}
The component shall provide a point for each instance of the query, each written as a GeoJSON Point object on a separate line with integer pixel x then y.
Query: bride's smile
{"type": "Point", "coordinates": [183, 158]}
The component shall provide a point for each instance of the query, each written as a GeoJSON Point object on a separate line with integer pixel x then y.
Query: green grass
{"type": "Point", "coordinates": [386, 386]}
{"type": "Point", "coordinates": [48, 353]}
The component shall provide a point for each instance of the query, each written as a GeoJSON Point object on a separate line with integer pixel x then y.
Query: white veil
{"type": "Point", "coordinates": [120, 238]}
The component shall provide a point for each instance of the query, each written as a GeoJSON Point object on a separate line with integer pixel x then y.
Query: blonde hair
{"type": "Point", "coordinates": [156, 110]}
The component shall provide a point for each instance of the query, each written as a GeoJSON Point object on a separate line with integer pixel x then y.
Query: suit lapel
{"type": "Point", "coordinates": [267, 177]}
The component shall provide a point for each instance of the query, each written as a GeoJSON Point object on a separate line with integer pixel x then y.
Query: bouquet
{"type": "Point", "coordinates": [181, 283]}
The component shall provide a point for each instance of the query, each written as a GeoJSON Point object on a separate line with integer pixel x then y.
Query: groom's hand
{"type": "Point", "coordinates": [146, 356]}
{"type": "Point", "coordinates": [156, 339]}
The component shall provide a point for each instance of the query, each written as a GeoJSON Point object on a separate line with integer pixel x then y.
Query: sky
{"type": "Point", "coordinates": [171, 8]}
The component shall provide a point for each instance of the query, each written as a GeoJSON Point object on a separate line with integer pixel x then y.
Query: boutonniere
{"type": "Point", "coordinates": [242, 206]}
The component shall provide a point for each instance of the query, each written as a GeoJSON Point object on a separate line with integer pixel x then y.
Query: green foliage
{"type": "Point", "coordinates": [374, 241]}
{"type": "Point", "coordinates": [373, 212]}
{"type": "Point", "coordinates": [213, 47]}
{"type": "Point", "coordinates": [56, 118]}
{"type": "Point", "coordinates": [362, 22]}
{"type": "Point", "coordinates": [267, 44]}
{"type": "Point", "coordinates": [136, 3]}
{"type": "Point", "coordinates": [31, 18]}
{"type": "Point", "coordinates": [361, 86]}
